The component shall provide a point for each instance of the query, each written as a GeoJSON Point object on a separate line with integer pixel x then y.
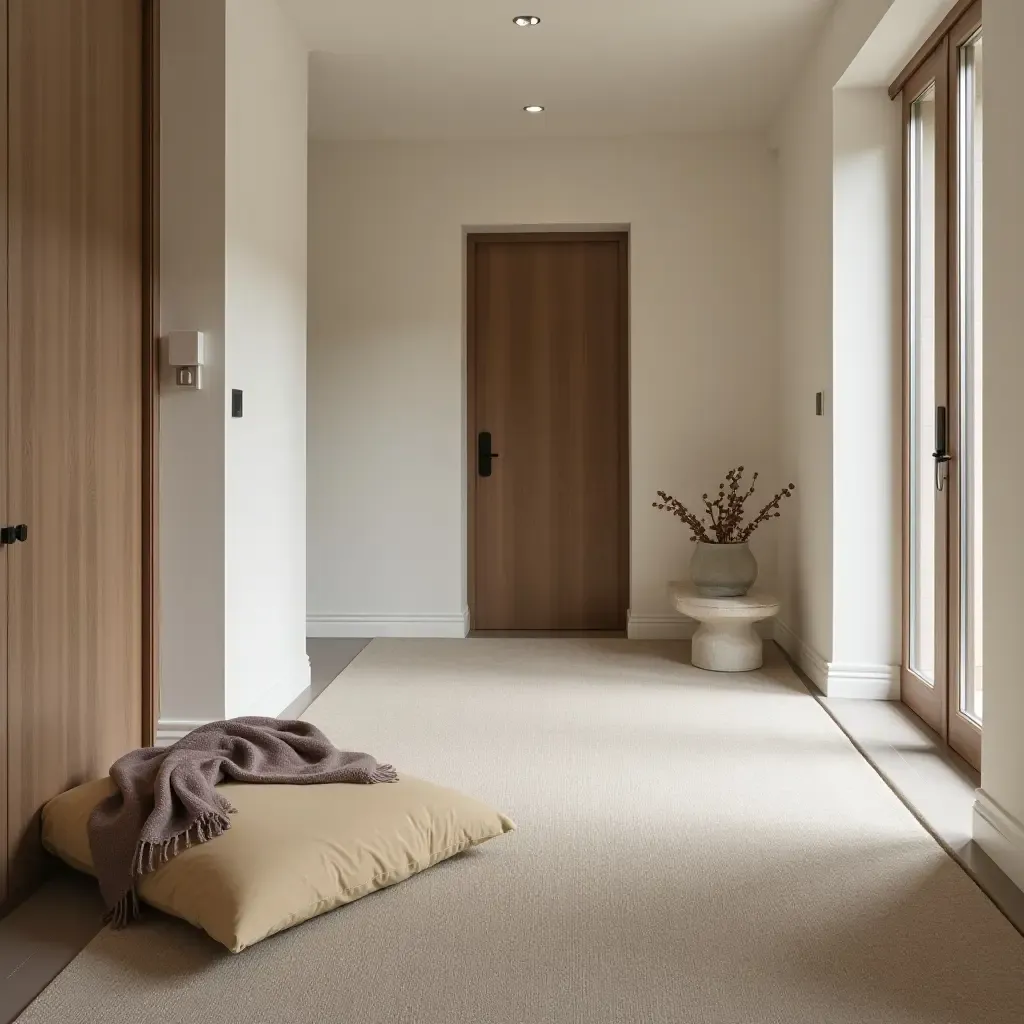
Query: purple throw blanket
{"type": "Point", "coordinates": [166, 800]}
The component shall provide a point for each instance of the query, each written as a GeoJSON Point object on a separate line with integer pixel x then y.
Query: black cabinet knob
{"type": "Point", "coordinates": [12, 534]}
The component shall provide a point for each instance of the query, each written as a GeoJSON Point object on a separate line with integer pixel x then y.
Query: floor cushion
{"type": "Point", "coordinates": [292, 852]}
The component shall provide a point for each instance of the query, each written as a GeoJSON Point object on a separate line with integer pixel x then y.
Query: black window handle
{"type": "Point", "coordinates": [941, 454]}
{"type": "Point", "coordinates": [484, 453]}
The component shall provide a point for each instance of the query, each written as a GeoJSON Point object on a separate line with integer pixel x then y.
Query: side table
{"type": "Point", "coordinates": [726, 640]}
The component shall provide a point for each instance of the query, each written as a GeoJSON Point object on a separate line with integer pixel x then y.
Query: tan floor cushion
{"type": "Point", "coordinates": [292, 852]}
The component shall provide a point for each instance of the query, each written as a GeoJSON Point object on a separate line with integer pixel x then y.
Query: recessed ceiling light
{"type": "Point", "coordinates": [526, 20]}
{"type": "Point", "coordinates": [534, 109]}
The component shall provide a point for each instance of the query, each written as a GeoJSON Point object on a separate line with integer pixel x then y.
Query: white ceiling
{"type": "Point", "coordinates": [392, 69]}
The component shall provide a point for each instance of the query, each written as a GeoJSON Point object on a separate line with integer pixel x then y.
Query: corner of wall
{"type": "Point", "coordinates": [837, 679]}
{"type": "Point", "coordinates": [1001, 836]}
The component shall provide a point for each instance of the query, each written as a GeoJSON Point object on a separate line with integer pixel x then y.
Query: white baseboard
{"type": "Point", "coordinates": [863, 682]}
{"type": "Point", "coordinates": [835, 679]}
{"type": "Point", "coordinates": [304, 698]}
{"type": "Point", "coordinates": [1001, 836]}
{"type": "Point", "coordinates": [672, 627]}
{"type": "Point", "coordinates": [659, 627]}
{"type": "Point", "coordinates": [370, 625]}
{"type": "Point", "coordinates": [169, 730]}
{"type": "Point", "coordinates": [813, 665]}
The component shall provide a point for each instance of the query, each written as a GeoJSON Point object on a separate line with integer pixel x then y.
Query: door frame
{"type": "Point", "coordinates": [473, 239]}
{"type": "Point", "coordinates": [150, 382]}
{"type": "Point", "coordinates": [938, 61]}
{"type": "Point", "coordinates": [928, 702]}
{"type": "Point", "coordinates": [963, 734]}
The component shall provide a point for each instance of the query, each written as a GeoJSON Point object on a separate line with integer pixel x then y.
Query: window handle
{"type": "Point", "coordinates": [941, 454]}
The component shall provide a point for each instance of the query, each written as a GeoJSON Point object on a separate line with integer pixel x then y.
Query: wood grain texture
{"type": "Point", "coordinates": [549, 364]}
{"type": "Point", "coordinates": [76, 320]}
{"type": "Point", "coordinates": [151, 371]}
{"type": "Point", "coordinates": [4, 474]}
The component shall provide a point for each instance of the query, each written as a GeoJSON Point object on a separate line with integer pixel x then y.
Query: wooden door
{"type": "Point", "coordinates": [75, 324]}
{"type": "Point", "coordinates": [548, 367]}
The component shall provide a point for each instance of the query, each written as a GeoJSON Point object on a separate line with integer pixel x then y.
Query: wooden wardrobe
{"type": "Point", "coordinates": [75, 332]}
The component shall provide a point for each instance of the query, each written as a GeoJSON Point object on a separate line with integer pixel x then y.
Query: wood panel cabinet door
{"type": "Point", "coordinates": [75, 329]}
{"type": "Point", "coordinates": [549, 395]}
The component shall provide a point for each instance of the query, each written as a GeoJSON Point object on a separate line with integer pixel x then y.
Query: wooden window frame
{"type": "Point", "coordinates": [938, 62]}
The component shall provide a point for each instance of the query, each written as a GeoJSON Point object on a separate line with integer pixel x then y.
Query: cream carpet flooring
{"type": "Point", "coordinates": [691, 848]}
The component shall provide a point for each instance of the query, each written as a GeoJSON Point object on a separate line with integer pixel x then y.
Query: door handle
{"type": "Point", "coordinates": [12, 534]}
{"type": "Point", "coordinates": [484, 453]}
{"type": "Point", "coordinates": [941, 454]}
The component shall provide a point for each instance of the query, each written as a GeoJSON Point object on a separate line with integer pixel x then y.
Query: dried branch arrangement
{"type": "Point", "coordinates": [722, 521]}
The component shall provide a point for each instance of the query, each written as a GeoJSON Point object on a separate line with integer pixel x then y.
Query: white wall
{"type": "Point", "coordinates": [233, 249]}
{"type": "Point", "coordinates": [864, 44]}
{"type": "Point", "coordinates": [867, 391]}
{"type": "Point", "coordinates": [265, 318]}
{"type": "Point", "coordinates": [805, 137]}
{"type": "Point", "coordinates": [999, 825]}
{"type": "Point", "coordinates": [192, 423]}
{"type": "Point", "coordinates": [387, 351]}
{"type": "Point", "coordinates": [839, 143]}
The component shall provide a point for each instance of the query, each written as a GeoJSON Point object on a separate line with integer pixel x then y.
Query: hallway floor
{"type": "Point", "coordinates": [691, 847]}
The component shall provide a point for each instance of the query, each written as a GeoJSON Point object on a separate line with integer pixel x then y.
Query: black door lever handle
{"type": "Point", "coordinates": [484, 453]}
{"type": "Point", "coordinates": [21, 532]}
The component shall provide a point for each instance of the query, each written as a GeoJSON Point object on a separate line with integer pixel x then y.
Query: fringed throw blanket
{"type": "Point", "coordinates": [166, 800]}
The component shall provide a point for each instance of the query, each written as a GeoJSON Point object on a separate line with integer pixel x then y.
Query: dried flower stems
{"type": "Point", "coordinates": [723, 519]}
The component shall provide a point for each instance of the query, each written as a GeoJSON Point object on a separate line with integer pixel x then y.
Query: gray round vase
{"type": "Point", "coordinates": [723, 570]}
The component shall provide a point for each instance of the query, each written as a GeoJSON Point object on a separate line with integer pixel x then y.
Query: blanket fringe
{"type": "Point", "coordinates": [384, 773]}
{"type": "Point", "coordinates": [149, 856]}
{"type": "Point", "coordinates": [125, 910]}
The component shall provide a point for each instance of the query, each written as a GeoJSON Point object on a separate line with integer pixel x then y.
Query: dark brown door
{"type": "Point", "coordinates": [75, 203]}
{"type": "Point", "coordinates": [548, 368]}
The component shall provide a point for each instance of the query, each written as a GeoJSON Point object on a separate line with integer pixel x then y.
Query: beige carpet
{"type": "Point", "coordinates": [691, 848]}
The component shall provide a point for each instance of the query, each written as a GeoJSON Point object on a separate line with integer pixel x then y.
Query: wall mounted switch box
{"type": "Point", "coordinates": [185, 355]}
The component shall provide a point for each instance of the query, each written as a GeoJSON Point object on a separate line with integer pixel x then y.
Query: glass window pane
{"type": "Point", "coordinates": [922, 269]}
{"type": "Point", "coordinates": [970, 180]}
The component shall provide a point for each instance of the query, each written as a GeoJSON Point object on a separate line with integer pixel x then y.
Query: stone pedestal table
{"type": "Point", "coordinates": [726, 640]}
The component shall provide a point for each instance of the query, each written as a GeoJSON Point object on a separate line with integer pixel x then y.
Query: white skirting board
{"type": "Point", "coordinates": [369, 626]}
{"type": "Point", "coordinates": [1001, 836]}
{"type": "Point", "coordinates": [169, 730]}
{"type": "Point", "coordinates": [672, 627]}
{"type": "Point", "coordinates": [836, 679]}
